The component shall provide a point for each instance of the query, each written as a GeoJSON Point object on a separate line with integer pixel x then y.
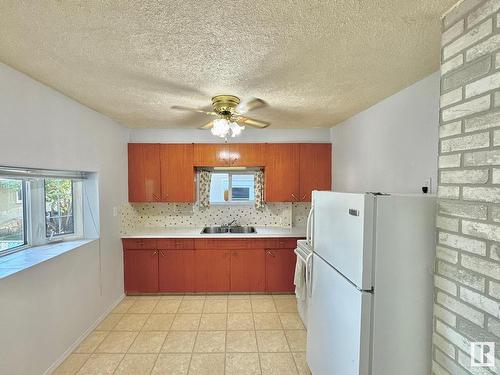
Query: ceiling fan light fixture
{"type": "Point", "coordinates": [236, 129]}
{"type": "Point", "coordinates": [220, 128]}
{"type": "Point", "coordinates": [223, 128]}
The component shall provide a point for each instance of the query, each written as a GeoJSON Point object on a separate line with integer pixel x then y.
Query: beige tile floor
{"type": "Point", "coordinates": [195, 335]}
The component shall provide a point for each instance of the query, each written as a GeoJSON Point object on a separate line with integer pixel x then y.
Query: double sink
{"type": "Point", "coordinates": [228, 229]}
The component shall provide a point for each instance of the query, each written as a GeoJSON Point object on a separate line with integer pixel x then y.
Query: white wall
{"type": "Point", "coordinates": [46, 308]}
{"type": "Point", "coordinates": [391, 146]}
{"type": "Point", "coordinates": [249, 135]}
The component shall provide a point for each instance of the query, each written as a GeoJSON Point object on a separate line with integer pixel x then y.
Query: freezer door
{"type": "Point", "coordinates": [343, 233]}
{"type": "Point", "coordinates": [339, 329]}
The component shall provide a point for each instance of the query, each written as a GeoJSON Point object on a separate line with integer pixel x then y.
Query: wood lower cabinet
{"type": "Point", "coordinates": [248, 270]}
{"type": "Point", "coordinates": [212, 270]}
{"type": "Point", "coordinates": [280, 270]}
{"type": "Point", "coordinates": [141, 271]}
{"type": "Point", "coordinates": [176, 271]}
{"type": "Point", "coordinates": [178, 265]}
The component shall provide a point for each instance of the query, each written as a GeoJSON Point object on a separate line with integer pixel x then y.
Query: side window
{"type": "Point", "coordinates": [59, 219]}
{"type": "Point", "coordinates": [12, 214]}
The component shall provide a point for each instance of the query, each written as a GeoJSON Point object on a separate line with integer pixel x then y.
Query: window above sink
{"type": "Point", "coordinates": [232, 187]}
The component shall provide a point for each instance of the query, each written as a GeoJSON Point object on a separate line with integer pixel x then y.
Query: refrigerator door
{"type": "Point", "coordinates": [339, 329]}
{"type": "Point", "coordinates": [343, 233]}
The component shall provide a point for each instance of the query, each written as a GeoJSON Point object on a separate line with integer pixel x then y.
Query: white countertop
{"type": "Point", "coordinates": [195, 232]}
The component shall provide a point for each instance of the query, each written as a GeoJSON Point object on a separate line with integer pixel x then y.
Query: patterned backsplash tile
{"type": "Point", "coordinates": [134, 215]}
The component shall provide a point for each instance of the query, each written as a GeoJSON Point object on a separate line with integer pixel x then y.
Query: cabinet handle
{"type": "Point", "coordinates": [155, 252]}
{"type": "Point", "coordinates": [162, 253]}
{"type": "Point", "coordinates": [294, 197]}
{"type": "Point", "coordinates": [155, 197]}
{"type": "Point", "coordinates": [270, 253]}
{"type": "Point", "coordinates": [304, 197]}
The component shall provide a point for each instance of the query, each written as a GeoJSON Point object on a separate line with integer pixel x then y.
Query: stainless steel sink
{"type": "Point", "coordinates": [238, 229]}
{"type": "Point", "coordinates": [215, 230]}
{"type": "Point", "coordinates": [228, 229]}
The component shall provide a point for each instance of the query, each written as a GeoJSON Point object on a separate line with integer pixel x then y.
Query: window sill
{"type": "Point", "coordinates": [24, 259]}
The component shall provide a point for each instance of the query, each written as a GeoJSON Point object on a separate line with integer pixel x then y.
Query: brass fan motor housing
{"type": "Point", "coordinates": [225, 105]}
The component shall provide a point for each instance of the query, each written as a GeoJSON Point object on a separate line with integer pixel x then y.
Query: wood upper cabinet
{"type": "Point", "coordinates": [247, 154]}
{"type": "Point", "coordinates": [281, 181]}
{"type": "Point", "coordinates": [177, 173]}
{"type": "Point", "coordinates": [144, 172]}
{"type": "Point", "coordinates": [141, 271]}
{"type": "Point", "coordinates": [211, 154]}
{"type": "Point", "coordinates": [248, 270]}
{"type": "Point", "coordinates": [212, 270]}
{"type": "Point", "coordinates": [315, 168]}
{"type": "Point", "coordinates": [280, 269]}
{"type": "Point", "coordinates": [229, 154]}
{"type": "Point", "coordinates": [294, 170]}
{"type": "Point", "coordinates": [176, 271]}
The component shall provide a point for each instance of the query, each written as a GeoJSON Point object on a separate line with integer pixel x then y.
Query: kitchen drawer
{"type": "Point", "coordinates": [176, 243]}
{"type": "Point", "coordinates": [274, 243]}
{"type": "Point", "coordinates": [139, 243]}
{"type": "Point", "coordinates": [221, 243]}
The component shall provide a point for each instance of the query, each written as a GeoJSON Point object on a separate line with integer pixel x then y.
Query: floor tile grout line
{"type": "Point", "coordinates": [195, 339]}
{"type": "Point", "coordinates": [137, 334]}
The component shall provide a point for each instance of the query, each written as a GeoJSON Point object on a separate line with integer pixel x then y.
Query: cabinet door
{"type": "Point", "coordinates": [177, 173]}
{"type": "Point", "coordinates": [211, 154]}
{"type": "Point", "coordinates": [315, 168]}
{"type": "Point", "coordinates": [248, 270]}
{"type": "Point", "coordinates": [141, 271]}
{"type": "Point", "coordinates": [282, 172]}
{"type": "Point", "coordinates": [247, 154]}
{"type": "Point", "coordinates": [176, 270]}
{"type": "Point", "coordinates": [280, 270]}
{"type": "Point", "coordinates": [144, 172]}
{"type": "Point", "coordinates": [212, 269]}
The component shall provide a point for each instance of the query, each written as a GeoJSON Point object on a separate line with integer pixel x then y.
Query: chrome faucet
{"type": "Point", "coordinates": [231, 223]}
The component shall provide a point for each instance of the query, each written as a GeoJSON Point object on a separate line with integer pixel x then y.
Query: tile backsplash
{"type": "Point", "coordinates": [137, 215]}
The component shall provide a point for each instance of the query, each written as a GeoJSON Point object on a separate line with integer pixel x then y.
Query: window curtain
{"type": "Point", "coordinates": [205, 177]}
{"type": "Point", "coordinates": [259, 190]}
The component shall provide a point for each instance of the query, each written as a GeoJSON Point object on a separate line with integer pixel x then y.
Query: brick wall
{"type": "Point", "coordinates": [467, 280]}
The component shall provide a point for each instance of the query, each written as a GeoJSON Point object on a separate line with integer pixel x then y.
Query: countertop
{"type": "Point", "coordinates": [195, 232]}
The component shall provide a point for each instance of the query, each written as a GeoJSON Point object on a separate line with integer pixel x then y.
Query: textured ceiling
{"type": "Point", "coordinates": [315, 62]}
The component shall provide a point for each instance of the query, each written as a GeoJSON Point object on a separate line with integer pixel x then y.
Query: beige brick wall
{"type": "Point", "coordinates": [467, 276]}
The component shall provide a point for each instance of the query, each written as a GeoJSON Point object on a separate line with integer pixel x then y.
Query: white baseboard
{"type": "Point", "coordinates": [77, 342]}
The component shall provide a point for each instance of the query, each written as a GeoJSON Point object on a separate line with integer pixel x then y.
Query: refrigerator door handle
{"type": "Point", "coordinates": [309, 227]}
{"type": "Point", "coordinates": [309, 280]}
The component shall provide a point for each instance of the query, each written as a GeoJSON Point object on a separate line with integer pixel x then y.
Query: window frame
{"type": "Point", "coordinates": [26, 230]}
{"type": "Point", "coordinates": [230, 201]}
{"type": "Point", "coordinates": [34, 210]}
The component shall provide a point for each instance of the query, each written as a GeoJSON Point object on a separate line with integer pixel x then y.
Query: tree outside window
{"type": "Point", "coordinates": [59, 207]}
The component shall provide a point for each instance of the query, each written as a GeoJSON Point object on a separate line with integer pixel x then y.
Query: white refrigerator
{"type": "Point", "coordinates": [370, 309]}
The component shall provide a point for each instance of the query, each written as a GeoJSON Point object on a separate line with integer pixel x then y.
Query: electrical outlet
{"type": "Point", "coordinates": [428, 184]}
{"type": "Point", "coordinates": [115, 211]}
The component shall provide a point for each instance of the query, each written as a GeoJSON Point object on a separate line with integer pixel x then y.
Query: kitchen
{"type": "Point", "coordinates": [168, 206]}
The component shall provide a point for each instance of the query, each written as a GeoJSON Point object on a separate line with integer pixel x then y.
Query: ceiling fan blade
{"type": "Point", "coordinates": [197, 110]}
{"type": "Point", "coordinates": [250, 105]}
{"type": "Point", "coordinates": [208, 125]}
{"type": "Point", "coordinates": [252, 122]}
